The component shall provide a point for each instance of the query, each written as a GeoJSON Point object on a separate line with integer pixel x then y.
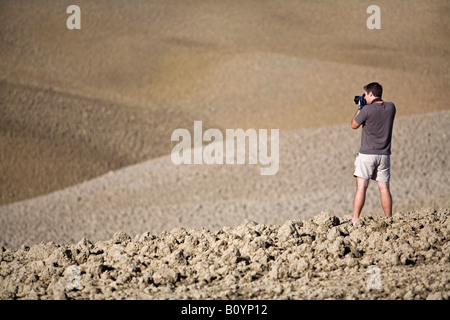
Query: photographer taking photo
{"type": "Point", "coordinates": [373, 160]}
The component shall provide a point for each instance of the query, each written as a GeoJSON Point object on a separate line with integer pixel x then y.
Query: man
{"type": "Point", "coordinates": [373, 160]}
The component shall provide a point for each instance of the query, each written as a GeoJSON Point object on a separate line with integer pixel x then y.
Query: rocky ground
{"type": "Point", "coordinates": [406, 257]}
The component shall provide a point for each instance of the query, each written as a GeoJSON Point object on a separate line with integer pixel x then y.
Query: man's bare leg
{"type": "Point", "coordinates": [360, 197]}
{"type": "Point", "coordinates": [386, 198]}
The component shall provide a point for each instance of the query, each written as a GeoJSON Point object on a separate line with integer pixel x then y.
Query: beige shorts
{"type": "Point", "coordinates": [373, 166]}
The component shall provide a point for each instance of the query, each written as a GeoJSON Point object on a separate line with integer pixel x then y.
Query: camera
{"type": "Point", "coordinates": [360, 100]}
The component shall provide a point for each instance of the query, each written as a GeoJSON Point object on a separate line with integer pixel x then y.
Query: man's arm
{"type": "Point", "coordinates": [355, 125]}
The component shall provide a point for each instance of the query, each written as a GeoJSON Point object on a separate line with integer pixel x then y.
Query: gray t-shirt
{"type": "Point", "coordinates": [377, 120]}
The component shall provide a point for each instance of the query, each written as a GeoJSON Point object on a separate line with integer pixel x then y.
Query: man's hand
{"type": "Point", "coordinates": [355, 125]}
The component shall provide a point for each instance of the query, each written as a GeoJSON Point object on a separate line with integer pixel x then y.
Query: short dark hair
{"type": "Point", "coordinates": [375, 88]}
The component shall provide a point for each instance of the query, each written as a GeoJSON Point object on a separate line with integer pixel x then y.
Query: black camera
{"type": "Point", "coordinates": [360, 100]}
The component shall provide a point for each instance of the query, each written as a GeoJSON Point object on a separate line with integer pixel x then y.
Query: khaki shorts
{"type": "Point", "coordinates": [373, 166]}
